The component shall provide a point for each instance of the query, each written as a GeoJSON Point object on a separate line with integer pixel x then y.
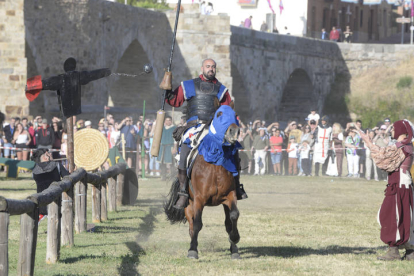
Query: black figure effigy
{"type": "Point", "coordinates": [67, 85]}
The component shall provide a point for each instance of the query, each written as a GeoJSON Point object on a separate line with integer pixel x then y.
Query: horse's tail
{"type": "Point", "coordinates": [174, 215]}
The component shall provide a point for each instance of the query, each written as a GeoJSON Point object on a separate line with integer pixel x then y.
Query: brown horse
{"type": "Point", "coordinates": [211, 185]}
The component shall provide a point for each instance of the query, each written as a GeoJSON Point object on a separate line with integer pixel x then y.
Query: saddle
{"type": "Point", "coordinates": [196, 139]}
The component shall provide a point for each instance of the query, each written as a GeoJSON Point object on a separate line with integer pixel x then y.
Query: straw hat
{"type": "Point", "coordinates": [91, 149]}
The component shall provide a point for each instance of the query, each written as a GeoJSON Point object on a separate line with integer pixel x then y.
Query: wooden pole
{"type": "Point", "coordinates": [80, 207]}
{"type": "Point", "coordinates": [67, 197]}
{"type": "Point", "coordinates": [112, 194]}
{"type": "Point", "coordinates": [123, 146]}
{"type": "Point", "coordinates": [104, 208]}
{"type": "Point", "coordinates": [4, 243]}
{"type": "Point", "coordinates": [53, 232]}
{"type": "Point", "coordinates": [143, 143]}
{"type": "Point", "coordinates": [96, 204]}
{"type": "Point", "coordinates": [28, 239]}
{"type": "Point", "coordinates": [77, 208]}
{"type": "Point", "coordinates": [138, 154]}
{"type": "Point", "coordinates": [119, 188]}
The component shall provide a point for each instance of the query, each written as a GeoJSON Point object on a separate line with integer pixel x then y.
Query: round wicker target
{"type": "Point", "coordinates": [91, 149]}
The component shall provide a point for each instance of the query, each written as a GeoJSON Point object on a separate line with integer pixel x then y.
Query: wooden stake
{"type": "Point", "coordinates": [119, 188]}
{"type": "Point", "coordinates": [112, 194]}
{"type": "Point", "coordinates": [104, 208]}
{"type": "Point", "coordinates": [28, 240]}
{"type": "Point", "coordinates": [96, 204]}
{"type": "Point", "coordinates": [4, 243]}
{"type": "Point", "coordinates": [80, 207]}
{"type": "Point", "coordinates": [53, 232]}
{"type": "Point", "coordinates": [123, 146]}
{"type": "Point", "coordinates": [67, 197]}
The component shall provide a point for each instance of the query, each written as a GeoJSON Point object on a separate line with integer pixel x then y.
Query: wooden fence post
{"type": "Point", "coordinates": [67, 197]}
{"type": "Point", "coordinates": [53, 232]}
{"type": "Point", "coordinates": [96, 204]}
{"type": "Point", "coordinates": [4, 243]}
{"type": "Point", "coordinates": [104, 208]}
{"type": "Point", "coordinates": [112, 194]}
{"type": "Point", "coordinates": [80, 207]}
{"type": "Point", "coordinates": [67, 218]}
{"type": "Point", "coordinates": [119, 188]}
{"type": "Point", "coordinates": [28, 240]}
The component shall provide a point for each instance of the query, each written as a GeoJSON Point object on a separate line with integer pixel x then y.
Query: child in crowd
{"type": "Point", "coordinates": [304, 155]}
{"type": "Point", "coordinates": [293, 156]}
{"type": "Point", "coordinates": [276, 142]}
{"type": "Point", "coordinates": [352, 144]}
{"type": "Point", "coordinates": [313, 116]}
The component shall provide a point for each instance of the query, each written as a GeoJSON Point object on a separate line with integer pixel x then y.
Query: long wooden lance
{"type": "Point", "coordinates": [165, 85]}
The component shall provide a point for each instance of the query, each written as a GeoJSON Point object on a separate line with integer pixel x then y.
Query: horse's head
{"type": "Point", "coordinates": [232, 132]}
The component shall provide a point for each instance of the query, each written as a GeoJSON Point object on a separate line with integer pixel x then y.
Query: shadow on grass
{"type": "Point", "coordinates": [290, 251]}
{"type": "Point", "coordinates": [131, 261]}
{"type": "Point", "coordinates": [149, 202]}
{"type": "Point", "coordinates": [114, 229]}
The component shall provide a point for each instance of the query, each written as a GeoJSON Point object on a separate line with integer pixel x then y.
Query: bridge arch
{"type": "Point", "coordinates": [297, 97]}
{"type": "Point", "coordinates": [240, 94]}
{"type": "Point", "coordinates": [128, 91]}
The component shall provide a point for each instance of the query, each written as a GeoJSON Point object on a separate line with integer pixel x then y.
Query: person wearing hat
{"type": "Point", "coordinates": [387, 122]}
{"type": "Point", "coordinates": [88, 124]}
{"type": "Point", "coordinates": [323, 140]}
{"type": "Point", "coordinates": [45, 136]}
{"type": "Point", "coordinates": [292, 151]}
{"type": "Point", "coordinates": [396, 212]}
{"type": "Point", "coordinates": [45, 172]}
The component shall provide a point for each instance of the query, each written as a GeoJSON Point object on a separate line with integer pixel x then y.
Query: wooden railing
{"type": "Point", "coordinates": [28, 209]}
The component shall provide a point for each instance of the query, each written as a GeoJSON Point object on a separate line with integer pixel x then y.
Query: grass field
{"type": "Point", "coordinates": [288, 226]}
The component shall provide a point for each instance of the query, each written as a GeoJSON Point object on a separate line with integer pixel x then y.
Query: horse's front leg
{"type": "Point", "coordinates": [193, 213]}
{"type": "Point", "coordinates": [232, 215]}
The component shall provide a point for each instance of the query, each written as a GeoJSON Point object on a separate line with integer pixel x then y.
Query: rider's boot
{"type": "Point", "coordinates": [183, 195]}
{"type": "Point", "coordinates": [241, 194]}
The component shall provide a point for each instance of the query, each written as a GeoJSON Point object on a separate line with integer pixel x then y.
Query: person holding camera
{"type": "Point", "coordinates": [126, 128]}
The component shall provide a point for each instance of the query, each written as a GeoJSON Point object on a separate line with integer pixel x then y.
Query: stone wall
{"type": "Point", "coordinates": [268, 71]}
{"type": "Point", "coordinates": [12, 59]}
{"type": "Point", "coordinates": [266, 63]}
{"type": "Point", "coordinates": [105, 34]}
{"type": "Point", "coordinates": [362, 57]}
{"type": "Point", "coordinates": [268, 75]}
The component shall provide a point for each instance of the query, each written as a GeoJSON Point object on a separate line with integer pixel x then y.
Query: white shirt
{"type": "Point", "coordinates": [294, 152]}
{"type": "Point", "coordinates": [115, 136]}
{"type": "Point", "coordinates": [304, 153]}
{"type": "Point", "coordinates": [313, 117]}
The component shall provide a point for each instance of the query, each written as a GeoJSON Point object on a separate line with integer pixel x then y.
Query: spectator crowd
{"type": "Point", "coordinates": [268, 148]}
{"type": "Point", "coordinates": [290, 150]}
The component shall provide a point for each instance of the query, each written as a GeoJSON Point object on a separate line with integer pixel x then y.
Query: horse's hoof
{"type": "Point", "coordinates": [235, 256]}
{"type": "Point", "coordinates": [192, 254]}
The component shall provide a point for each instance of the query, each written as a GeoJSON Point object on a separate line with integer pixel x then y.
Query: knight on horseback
{"type": "Point", "coordinates": [204, 95]}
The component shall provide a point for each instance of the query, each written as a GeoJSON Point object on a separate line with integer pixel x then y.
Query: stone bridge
{"type": "Point", "coordinates": [271, 77]}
